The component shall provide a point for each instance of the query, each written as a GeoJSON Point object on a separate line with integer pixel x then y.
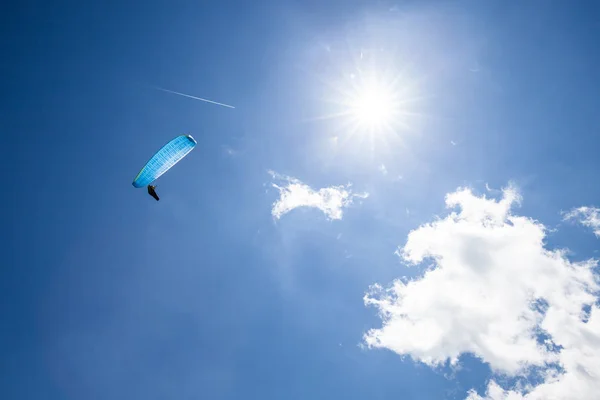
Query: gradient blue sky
{"type": "Point", "coordinates": [107, 294]}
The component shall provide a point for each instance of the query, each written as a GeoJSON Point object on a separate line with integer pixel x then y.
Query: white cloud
{"type": "Point", "coordinates": [587, 216]}
{"type": "Point", "coordinates": [294, 194]}
{"type": "Point", "coordinates": [495, 290]}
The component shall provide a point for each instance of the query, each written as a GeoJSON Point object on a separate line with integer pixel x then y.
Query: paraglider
{"type": "Point", "coordinates": [163, 160]}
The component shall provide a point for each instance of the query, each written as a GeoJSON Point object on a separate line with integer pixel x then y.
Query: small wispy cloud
{"type": "Point", "coordinates": [383, 169]}
{"type": "Point", "coordinates": [586, 216]}
{"type": "Point", "coordinates": [230, 151]}
{"type": "Point", "coordinates": [293, 194]}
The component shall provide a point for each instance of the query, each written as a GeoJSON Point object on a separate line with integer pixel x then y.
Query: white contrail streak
{"type": "Point", "coordinates": [193, 97]}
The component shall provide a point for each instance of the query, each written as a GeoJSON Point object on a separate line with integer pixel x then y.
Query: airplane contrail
{"type": "Point", "coordinates": [193, 97]}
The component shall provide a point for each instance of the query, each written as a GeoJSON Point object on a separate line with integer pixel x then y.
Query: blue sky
{"type": "Point", "coordinates": [260, 272]}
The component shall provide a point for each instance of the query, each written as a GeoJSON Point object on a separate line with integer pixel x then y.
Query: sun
{"type": "Point", "coordinates": [373, 105]}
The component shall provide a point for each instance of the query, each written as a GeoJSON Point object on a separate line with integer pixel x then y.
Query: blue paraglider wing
{"type": "Point", "coordinates": [169, 155]}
